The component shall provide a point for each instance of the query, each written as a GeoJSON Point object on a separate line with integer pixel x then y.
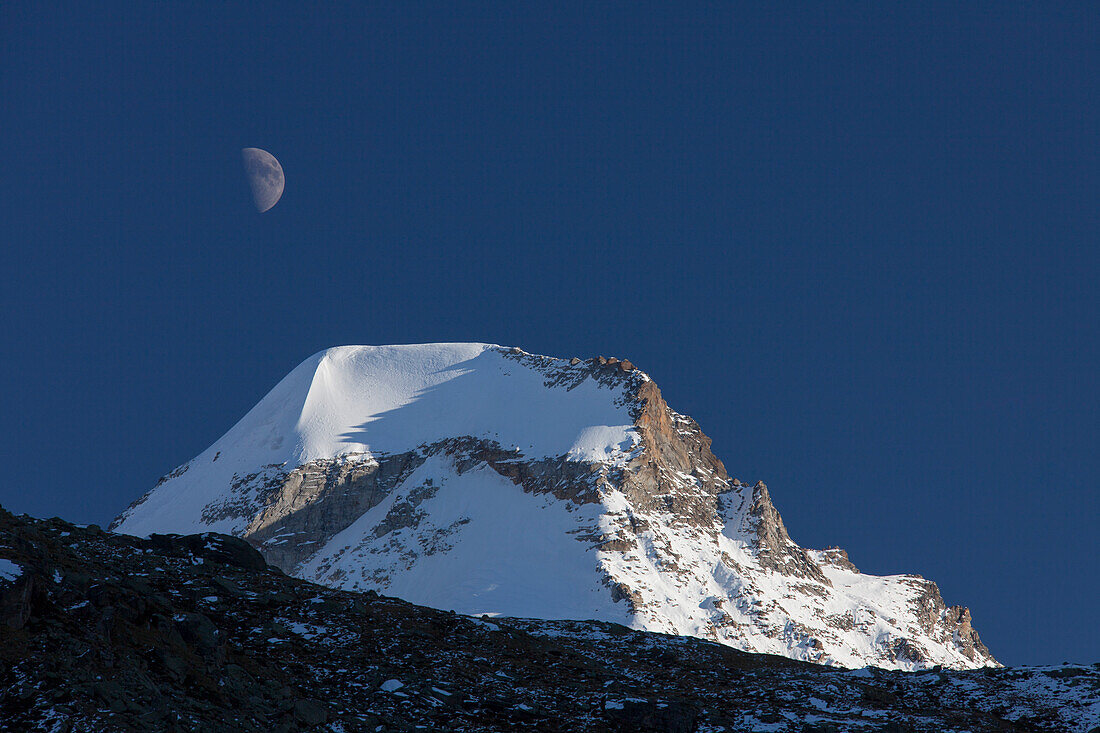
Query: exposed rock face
{"type": "Point", "coordinates": [775, 550]}
{"type": "Point", "coordinates": [836, 557]}
{"type": "Point", "coordinates": [314, 501]}
{"type": "Point", "coordinates": [637, 523]}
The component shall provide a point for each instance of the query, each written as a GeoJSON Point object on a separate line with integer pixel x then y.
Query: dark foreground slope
{"type": "Point", "coordinates": [105, 632]}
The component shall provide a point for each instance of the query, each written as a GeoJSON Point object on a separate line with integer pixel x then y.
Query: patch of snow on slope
{"type": "Point", "coordinates": [452, 558]}
{"type": "Point", "coordinates": [9, 570]}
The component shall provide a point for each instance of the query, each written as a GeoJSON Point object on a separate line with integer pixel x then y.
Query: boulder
{"type": "Point", "coordinates": [310, 712]}
{"type": "Point", "coordinates": [647, 715]}
{"type": "Point", "coordinates": [16, 601]}
{"type": "Point", "coordinates": [216, 548]}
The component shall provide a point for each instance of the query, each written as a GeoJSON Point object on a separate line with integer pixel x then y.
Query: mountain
{"type": "Point", "coordinates": [490, 481]}
{"type": "Point", "coordinates": [109, 632]}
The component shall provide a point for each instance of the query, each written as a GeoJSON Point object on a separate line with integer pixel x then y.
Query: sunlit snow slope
{"type": "Point", "coordinates": [491, 481]}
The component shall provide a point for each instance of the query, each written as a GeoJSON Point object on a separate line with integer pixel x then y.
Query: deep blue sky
{"type": "Point", "coordinates": [859, 245]}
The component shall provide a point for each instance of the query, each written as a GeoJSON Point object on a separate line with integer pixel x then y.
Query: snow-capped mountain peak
{"type": "Point", "coordinates": [491, 481]}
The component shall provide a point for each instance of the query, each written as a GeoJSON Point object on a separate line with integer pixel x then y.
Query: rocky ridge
{"type": "Point", "coordinates": [677, 545]}
{"type": "Point", "coordinates": [108, 632]}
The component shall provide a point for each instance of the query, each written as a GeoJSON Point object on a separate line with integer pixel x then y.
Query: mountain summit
{"type": "Point", "coordinates": [488, 480]}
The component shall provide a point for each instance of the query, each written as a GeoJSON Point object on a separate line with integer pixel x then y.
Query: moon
{"type": "Point", "coordinates": [265, 177]}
